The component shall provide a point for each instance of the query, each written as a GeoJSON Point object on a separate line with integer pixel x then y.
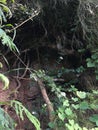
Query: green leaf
{"type": "Point", "coordinates": [6, 122]}
{"type": "Point", "coordinates": [61, 116]}
{"type": "Point", "coordinates": [3, 1]}
{"type": "Point", "coordinates": [5, 81]}
{"type": "Point", "coordinates": [68, 111]}
{"type": "Point", "coordinates": [13, 1]}
{"type": "Point", "coordinates": [74, 99]}
{"type": "Point", "coordinates": [95, 92]}
{"type": "Point", "coordinates": [81, 95]}
{"type": "Point", "coordinates": [66, 103]}
{"type": "Point", "coordinates": [6, 9]}
{"type": "Point", "coordinates": [94, 118]}
{"type": "Point", "coordinates": [71, 122]}
{"type": "Point", "coordinates": [84, 105]}
{"type": "Point", "coordinates": [72, 89]}
{"type": "Point", "coordinates": [96, 77]}
{"type": "Point", "coordinates": [94, 56]}
{"type": "Point", "coordinates": [19, 108]}
{"type": "Point", "coordinates": [96, 123]}
{"type": "Point", "coordinates": [80, 69]}
{"type": "Point", "coordinates": [51, 125]}
{"type": "Point", "coordinates": [33, 119]}
{"type": "Point", "coordinates": [96, 61]}
{"type": "Point", "coordinates": [84, 128]}
{"type": "Point", "coordinates": [75, 106]}
{"type": "Point", "coordinates": [6, 40]}
{"type": "Point", "coordinates": [94, 106]}
{"type": "Point", "coordinates": [90, 64]}
{"type": "Point", "coordinates": [8, 30]}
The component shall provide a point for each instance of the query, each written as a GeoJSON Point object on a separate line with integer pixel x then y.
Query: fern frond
{"type": "Point", "coordinates": [20, 110]}
{"type": "Point", "coordinates": [7, 40]}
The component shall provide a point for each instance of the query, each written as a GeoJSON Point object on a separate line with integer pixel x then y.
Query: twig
{"type": "Point", "coordinates": [25, 70]}
{"type": "Point", "coordinates": [30, 18]}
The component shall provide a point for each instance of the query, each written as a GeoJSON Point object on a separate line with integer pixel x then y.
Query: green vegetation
{"type": "Point", "coordinates": [6, 122]}
{"type": "Point", "coordinates": [49, 65]}
{"type": "Point", "coordinates": [74, 108]}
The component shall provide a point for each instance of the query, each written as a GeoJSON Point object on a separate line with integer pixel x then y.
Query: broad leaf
{"type": "Point", "coordinates": [68, 111]}
{"type": "Point", "coordinates": [90, 64]}
{"type": "Point", "coordinates": [84, 105]}
{"type": "Point", "coordinates": [81, 95]}
{"type": "Point", "coordinates": [94, 118]}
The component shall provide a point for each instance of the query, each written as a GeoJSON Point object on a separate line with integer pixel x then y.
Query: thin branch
{"type": "Point", "coordinates": [30, 18]}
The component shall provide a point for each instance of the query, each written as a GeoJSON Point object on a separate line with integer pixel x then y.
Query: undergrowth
{"type": "Point", "coordinates": [6, 122]}
{"type": "Point", "coordinates": [74, 109]}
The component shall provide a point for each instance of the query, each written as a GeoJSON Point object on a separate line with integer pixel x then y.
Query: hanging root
{"type": "Point", "coordinates": [47, 100]}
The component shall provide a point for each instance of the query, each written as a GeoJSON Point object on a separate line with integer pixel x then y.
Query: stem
{"type": "Point", "coordinates": [47, 100]}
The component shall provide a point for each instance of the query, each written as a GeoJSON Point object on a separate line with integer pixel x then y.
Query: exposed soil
{"type": "Point", "coordinates": [27, 91]}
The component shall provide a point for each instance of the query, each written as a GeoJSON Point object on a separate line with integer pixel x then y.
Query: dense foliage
{"type": "Point", "coordinates": [55, 46]}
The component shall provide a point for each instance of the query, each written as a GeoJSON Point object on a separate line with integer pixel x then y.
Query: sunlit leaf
{"type": "Point", "coordinates": [68, 111]}
{"type": "Point", "coordinates": [75, 106]}
{"type": "Point", "coordinates": [3, 1]}
{"type": "Point", "coordinates": [5, 81]}
{"type": "Point", "coordinates": [66, 103]}
{"type": "Point", "coordinates": [75, 99]}
{"type": "Point", "coordinates": [81, 95]}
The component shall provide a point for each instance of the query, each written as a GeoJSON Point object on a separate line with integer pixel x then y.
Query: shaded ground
{"type": "Point", "coordinates": [28, 92]}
